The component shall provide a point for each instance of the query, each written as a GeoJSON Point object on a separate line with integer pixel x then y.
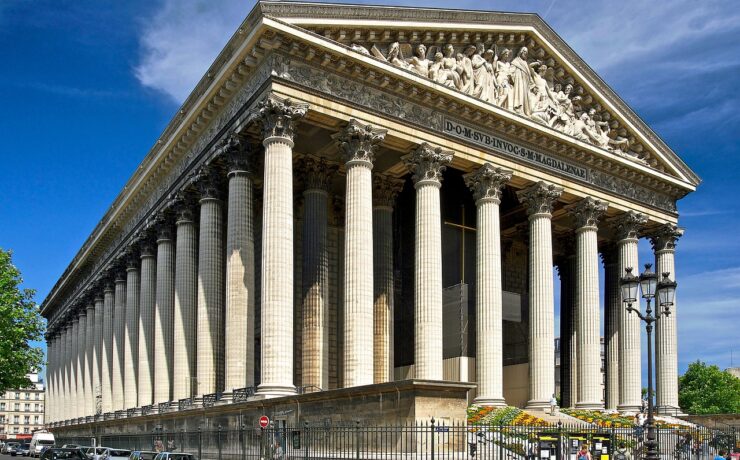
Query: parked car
{"type": "Point", "coordinates": [61, 453]}
{"type": "Point", "coordinates": [174, 456]}
{"type": "Point", "coordinates": [10, 447]}
{"type": "Point", "coordinates": [142, 455]}
{"type": "Point", "coordinates": [23, 450]}
{"type": "Point", "coordinates": [95, 453]}
{"type": "Point", "coordinates": [41, 439]}
{"type": "Point", "coordinates": [113, 454]}
{"type": "Point", "coordinates": [70, 446]}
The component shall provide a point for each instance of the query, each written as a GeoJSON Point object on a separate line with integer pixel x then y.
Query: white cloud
{"type": "Point", "coordinates": [181, 41]}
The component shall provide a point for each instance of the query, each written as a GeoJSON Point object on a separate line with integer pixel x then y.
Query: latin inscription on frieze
{"type": "Point", "coordinates": [507, 148]}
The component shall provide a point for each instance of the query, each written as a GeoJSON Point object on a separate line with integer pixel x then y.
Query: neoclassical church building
{"type": "Point", "coordinates": [362, 200]}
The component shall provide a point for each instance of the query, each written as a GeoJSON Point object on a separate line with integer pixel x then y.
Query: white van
{"type": "Point", "coordinates": [40, 439]}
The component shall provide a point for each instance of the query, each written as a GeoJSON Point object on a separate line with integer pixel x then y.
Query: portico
{"type": "Point", "coordinates": [285, 235]}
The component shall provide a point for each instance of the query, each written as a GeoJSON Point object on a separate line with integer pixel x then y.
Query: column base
{"type": "Point", "coordinates": [273, 391]}
{"type": "Point", "coordinates": [672, 411]}
{"type": "Point", "coordinates": [590, 406]}
{"type": "Point", "coordinates": [629, 408]}
{"type": "Point", "coordinates": [492, 402]}
{"type": "Point", "coordinates": [537, 405]}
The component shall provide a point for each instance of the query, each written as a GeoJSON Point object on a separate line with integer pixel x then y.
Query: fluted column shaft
{"type": "Point", "coordinates": [75, 369]}
{"type": "Point", "coordinates": [147, 300]}
{"type": "Point", "coordinates": [539, 200]}
{"type": "Point", "coordinates": [612, 306]}
{"type": "Point", "coordinates": [51, 379]}
{"type": "Point", "coordinates": [98, 352]}
{"type": "Point", "coordinates": [117, 359]}
{"type": "Point", "coordinates": [80, 403]}
{"type": "Point", "coordinates": [164, 312]}
{"type": "Point", "coordinates": [428, 164]}
{"type": "Point", "coordinates": [587, 213]}
{"type": "Point", "coordinates": [106, 364]}
{"type": "Point", "coordinates": [240, 270]}
{"type": "Point", "coordinates": [568, 327]}
{"type": "Point", "coordinates": [131, 337]}
{"type": "Point", "coordinates": [666, 343]}
{"type": "Point", "coordinates": [186, 278]}
{"type": "Point", "coordinates": [210, 344]}
{"type": "Point", "coordinates": [315, 278]}
{"type": "Point", "coordinates": [486, 184]}
{"type": "Point", "coordinates": [66, 392]}
{"type": "Point", "coordinates": [53, 407]}
{"type": "Point", "coordinates": [385, 190]}
{"type": "Point", "coordinates": [89, 403]}
{"type": "Point", "coordinates": [276, 314]}
{"type": "Point", "coordinates": [630, 359]}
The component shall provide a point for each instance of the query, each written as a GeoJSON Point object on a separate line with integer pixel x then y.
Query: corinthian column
{"type": "Point", "coordinates": [186, 278]}
{"type": "Point", "coordinates": [539, 200]}
{"type": "Point", "coordinates": [486, 184]}
{"type": "Point", "coordinates": [89, 403]}
{"type": "Point", "coordinates": [612, 307]}
{"type": "Point", "coordinates": [81, 405]}
{"type": "Point", "coordinates": [210, 356]}
{"type": "Point", "coordinates": [67, 350]}
{"type": "Point", "coordinates": [385, 190]}
{"type": "Point", "coordinates": [146, 324]}
{"type": "Point", "coordinates": [279, 118]}
{"type": "Point", "coordinates": [73, 367]}
{"type": "Point", "coordinates": [99, 351]}
{"type": "Point", "coordinates": [239, 327]}
{"type": "Point", "coordinates": [427, 164]}
{"type": "Point", "coordinates": [106, 363]}
{"type": "Point", "coordinates": [119, 331]}
{"type": "Point", "coordinates": [568, 323]}
{"type": "Point", "coordinates": [358, 143]}
{"type": "Point", "coordinates": [666, 343]}
{"type": "Point", "coordinates": [131, 338]}
{"type": "Point", "coordinates": [587, 213]}
{"type": "Point", "coordinates": [627, 227]}
{"type": "Point", "coordinates": [315, 274]}
{"type": "Point", "coordinates": [164, 312]}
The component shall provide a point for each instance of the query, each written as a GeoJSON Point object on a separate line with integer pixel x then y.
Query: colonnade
{"type": "Point", "coordinates": [174, 318]}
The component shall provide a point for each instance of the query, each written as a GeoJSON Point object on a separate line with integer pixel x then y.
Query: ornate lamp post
{"type": "Point", "coordinates": [665, 291]}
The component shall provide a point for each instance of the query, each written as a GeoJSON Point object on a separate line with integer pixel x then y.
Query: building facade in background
{"type": "Point", "coordinates": [22, 411]}
{"type": "Point", "coordinates": [355, 196]}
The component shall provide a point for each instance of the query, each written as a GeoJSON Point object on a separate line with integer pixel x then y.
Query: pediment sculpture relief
{"type": "Point", "coordinates": [516, 82]}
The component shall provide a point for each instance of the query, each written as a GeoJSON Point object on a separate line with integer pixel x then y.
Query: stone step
{"type": "Point", "coordinates": [558, 416]}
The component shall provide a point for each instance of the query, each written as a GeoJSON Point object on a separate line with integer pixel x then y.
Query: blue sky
{"type": "Point", "coordinates": [87, 87]}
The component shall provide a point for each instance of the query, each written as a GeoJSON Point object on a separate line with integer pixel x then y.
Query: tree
{"type": "Point", "coordinates": [706, 389]}
{"type": "Point", "coordinates": [20, 323]}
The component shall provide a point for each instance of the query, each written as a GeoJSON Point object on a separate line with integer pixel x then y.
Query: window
{"type": "Point", "coordinates": [2, 406]}
{"type": "Point", "coordinates": [17, 395]}
{"type": "Point", "coordinates": [37, 409]}
{"type": "Point", "coordinates": [26, 430]}
{"type": "Point", "coordinates": [36, 419]}
{"type": "Point", "coordinates": [38, 396]}
{"type": "Point", "coordinates": [2, 419]}
{"type": "Point", "coordinates": [15, 419]}
{"type": "Point", "coordinates": [27, 407]}
{"type": "Point", "coordinates": [27, 419]}
{"type": "Point", "coordinates": [16, 429]}
{"type": "Point", "coordinates": [17, 407]}
{"type": "Point", "coordinates": [28, 396]}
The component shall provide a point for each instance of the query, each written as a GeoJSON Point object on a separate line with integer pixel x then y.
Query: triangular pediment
{"type": "Point", "coordinates": [511, 61]}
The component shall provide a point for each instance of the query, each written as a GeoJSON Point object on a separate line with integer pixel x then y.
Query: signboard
{"type": "Point", "coordinates": [264, 421]}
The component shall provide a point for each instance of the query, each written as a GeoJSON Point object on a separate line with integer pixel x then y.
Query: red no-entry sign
{"type": "Point", "coordinates": [264, 421]}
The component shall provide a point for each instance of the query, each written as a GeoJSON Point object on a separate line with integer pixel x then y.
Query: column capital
{"type": "Point", "coordinates": [385, 190]}
{"type": "Point", "coordinates": [665, 237]}
{"type": "Point", "coordinates": [90, 306]}
{"type": "Point", "coordinates": [539, 198]}
{"type": "Point", "coordinates": [427, 164]}
{"type": "Point", "coordinates": [183, 206]}
{"type": "Point", "coordinates": [238, 154]}
{"type": "Point", "coordinates": [587, 212]}
{"type": "Point", "coordinates": [146, 249]}
{"type": "Point", "coordinates": [358, 143]}
{"type": "Point", "coordinates": [208, 182]}
{"type": "Point", "coordinates": [609, 254]}
{"type": "Point", "coordinates": [317, 173]}
{"type": "Point", "coordinates": [486, 183]}
{"type": "Point", "coordinates": [627, 226]}
{"type": "Point", "coordinates": [279, 116]}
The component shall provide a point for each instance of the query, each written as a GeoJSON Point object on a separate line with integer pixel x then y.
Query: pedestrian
{"type": "Point", "coordinates": [721, 455]}
{"type": "Point", "coordinates": [277, 453]}
{"type": "Point", "coordinates": [171, 445]}
{"type": "Point", "coordinates": [553, 404]}
{"type": "Point", "coordinates": [622, 453]}
{"type": "Point", "coordinates": [584, 453]}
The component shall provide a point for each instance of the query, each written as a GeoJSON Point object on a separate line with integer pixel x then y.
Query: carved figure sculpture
{"type": "Point", "coordinates": [395, 57]}
{"type": "Point", "coordinates": [449, 74]}
{"type": "Point", "coordinates": [502, 71]}
{"type": "Point", "coordinates": [466, 66]}
{"type": "Point", "coordinates": [482, 73]}
{"type": "Point", "coordinates": [522, 76]}
{"type": "Point", "coordinates": [419, 63]}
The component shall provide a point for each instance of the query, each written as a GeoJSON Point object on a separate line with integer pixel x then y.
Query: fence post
{"type": "Point", "coordinates": [218, 441]}
{"type": "Point", "coordinates": [243, 436]}
{"type": "Point", "coordinates": [262, 443]}
{"type": "Point", "coordinates": [357, 439]}
{"type": "Point", "coordinates": [305, 439]}
{"type": "Point", "coordinates": [432, 426]}
{"type": "Point", "coordinates": [200, 442]}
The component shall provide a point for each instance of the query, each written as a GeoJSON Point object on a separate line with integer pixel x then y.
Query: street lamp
{"type": "Point", "coordinates": [665, 291]}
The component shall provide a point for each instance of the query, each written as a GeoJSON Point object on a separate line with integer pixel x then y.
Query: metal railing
{"type": "Point", "coordinates": [424, 441]}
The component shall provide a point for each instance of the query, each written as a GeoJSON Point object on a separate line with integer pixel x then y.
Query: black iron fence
{"type": "Point", "coordinates": [426, 441]}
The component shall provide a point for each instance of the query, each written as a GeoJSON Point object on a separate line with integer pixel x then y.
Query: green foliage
{"type": "Point", "coordinates": [706, 389]}
{"type": "Point", "coordinates": [20, 323]}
